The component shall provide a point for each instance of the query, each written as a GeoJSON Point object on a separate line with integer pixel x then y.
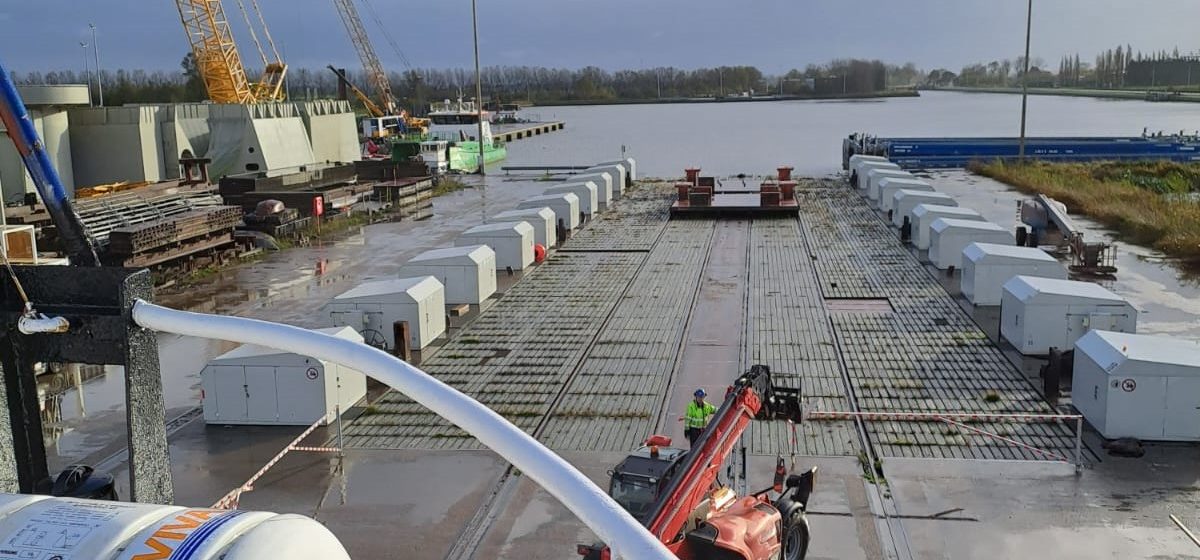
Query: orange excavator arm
{"type": "Point", "coordinates": [751, 397]}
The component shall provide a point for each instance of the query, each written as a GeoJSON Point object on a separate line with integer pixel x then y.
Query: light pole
{"type": "Point", "coordinates": [478, 85]}
{"type": "Point", "coordinates": [1025, 83]}
{"type": "Point", "coordinates": [87, 70]}
{"type": "Point", "coordinates": [99, 73]}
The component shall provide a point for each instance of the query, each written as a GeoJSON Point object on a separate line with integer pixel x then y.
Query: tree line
{"type": "Point", "coordinates": [1118, 67]}
{"type": "Point", "coordinates": [417, 88]}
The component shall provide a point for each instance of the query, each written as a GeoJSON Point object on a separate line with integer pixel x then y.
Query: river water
{"type": "Point", "coordinates": [754, 138]}
{"type": "Point", "coordinates": [723, 138]}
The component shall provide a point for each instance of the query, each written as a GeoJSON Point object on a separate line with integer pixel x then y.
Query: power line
{"type": "Point", "coordinates": [386, 34]}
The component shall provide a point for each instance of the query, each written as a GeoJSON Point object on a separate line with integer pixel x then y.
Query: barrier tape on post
{"type": "Point", "coordinates": [230, 500]}
{"type": "Point", "coordinates": [937, 416]}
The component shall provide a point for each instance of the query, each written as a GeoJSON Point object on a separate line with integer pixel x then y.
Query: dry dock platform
{"type": "Point", "coordinates": [603, 343]}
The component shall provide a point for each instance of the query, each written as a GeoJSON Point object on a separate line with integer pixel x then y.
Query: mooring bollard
{"type": "Point", "coordinates": [400, 334]}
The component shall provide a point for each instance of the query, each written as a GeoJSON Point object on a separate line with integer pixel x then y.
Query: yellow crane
{"type": "Point", "coordinates": [218, 59]}
{"type": "Point", "coordinates": [387, 106]}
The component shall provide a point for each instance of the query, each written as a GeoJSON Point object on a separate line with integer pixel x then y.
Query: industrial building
{"type": "Point", "coordinates": [49, 107]}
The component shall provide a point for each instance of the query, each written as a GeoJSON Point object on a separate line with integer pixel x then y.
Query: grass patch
{"type": "Point", "coordinates": [1156, 204]}
{"type": "Point", "coordinates": [447, 185]}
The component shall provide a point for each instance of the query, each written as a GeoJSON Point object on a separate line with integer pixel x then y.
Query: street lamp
{"type": "Point", "coordinates": [87, 69]}
{"type": "Point", "coordinates": [478, 85]}
{"type": "Point", "coordinates": [99, 74]}
{"type": "Point", "coordinates": [1025, 82]}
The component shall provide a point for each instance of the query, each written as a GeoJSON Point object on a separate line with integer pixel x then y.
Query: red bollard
{"type": "Point", "coordinates": [693, 174]}
{"type": "Point", "coordinates": [787, 190]}
{"type": "Point", "coordinates": [785, 173]}
{"type": "Point", "coordinates": [682, 190]}
{"type": "Point", "coordinates": [539, 252]}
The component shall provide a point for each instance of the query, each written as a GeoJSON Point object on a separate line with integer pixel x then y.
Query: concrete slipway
{"type": "Point", "coordinates": [599, 346]}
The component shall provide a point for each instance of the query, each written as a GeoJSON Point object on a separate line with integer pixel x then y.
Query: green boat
{"type": "Point", "coordinates": [457, 123]}
{"type": "Point", "coordinates": [464, 156]}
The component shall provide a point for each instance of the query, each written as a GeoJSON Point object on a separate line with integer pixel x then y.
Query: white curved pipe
{"type": "Point", "coordinates": [624, 535]}
{"type": "Point", "coordinates": [41, 324]}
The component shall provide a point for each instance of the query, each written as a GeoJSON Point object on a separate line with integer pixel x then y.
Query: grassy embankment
{"type": "Point", "coordinates": [1156, 204]}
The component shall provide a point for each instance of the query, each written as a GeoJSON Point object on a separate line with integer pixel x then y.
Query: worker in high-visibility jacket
{"type": "Point", "coordinates": [699, 412]}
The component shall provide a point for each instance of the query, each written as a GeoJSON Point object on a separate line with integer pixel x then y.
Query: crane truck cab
{"type": "Point", "coordinates": [676, 494]}
{"type": "Point", "coordinates": [637, 481]}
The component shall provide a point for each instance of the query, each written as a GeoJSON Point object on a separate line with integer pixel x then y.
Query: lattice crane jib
{"type": "Point", "coordinates": [218, 60]}
{"type": "Point", "coordinates": [366, 53]}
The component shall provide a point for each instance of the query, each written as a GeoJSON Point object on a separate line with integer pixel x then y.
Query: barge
{"type": "Point", "coordinates": [933, 153]}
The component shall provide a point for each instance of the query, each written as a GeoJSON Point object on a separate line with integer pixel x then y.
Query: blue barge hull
{"type": "Point", "coordinates": [926, 153]}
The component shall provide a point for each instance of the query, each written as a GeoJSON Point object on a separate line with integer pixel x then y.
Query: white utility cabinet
{"type": "Point", "coordinates": [925, 214]}
{"type": "Point", "coordinates": [1037, 314]}
{"type": "Point", "coordinates": [628, 164]}
{"type": "Point", "coordinates": [854, 159]}
{"type": "Point", "coordinates": [987, 266]}
{"type": "Point", "coordinates": [565, 206]}
{"type": "Point", "coordinates": [604, 185]}
{"type": "Point", "coordinates": [619, 173]}
{"type": "Point", "coordinates": [263, 386]}
{"type": "Point", "coordinates": [864, 167]}
{"type": "Point", "coordinates": [373, 308]}
{"type": "Point", "coordinates": [1138, 386]}
{"type": "Point", "coordinates": [948, 237]}
{"type": "Point", "coordinates": [468, 273]}
{"type": "Point", "coordinates": [875, 175]}
{"type": "Point", "coordinates": [886, 188]}
{"type": "Point", "coordinates": [904, 200]}
{"type": "Point", "coordinates": [545, 227]}
{"type": "Point", "coordinates": [512, 242]}
{"type": "Point", "coordinates": [586, 191]}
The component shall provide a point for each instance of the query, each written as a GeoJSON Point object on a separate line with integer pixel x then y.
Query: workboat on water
{"type": "Point", "coordinates": [458, 124]}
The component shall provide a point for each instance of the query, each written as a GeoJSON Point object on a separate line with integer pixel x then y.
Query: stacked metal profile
{"type": "Point", "coordinates": [132, 240]}
{"type": "Point", "coordinates": [103, 214]}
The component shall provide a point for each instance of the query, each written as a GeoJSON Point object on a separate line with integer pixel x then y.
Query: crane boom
{"type": "Point", "coordinates": [218, 60]}
{"type": "Point", "coordinates": [371, 106]}
{"type": "Point", "coordinates": [366, 53]}
{"type": "Point", "coordinates": [751, 397]}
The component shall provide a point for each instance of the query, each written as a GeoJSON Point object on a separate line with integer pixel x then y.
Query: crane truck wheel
{"type": "Point", "coordinates": [795, 537]}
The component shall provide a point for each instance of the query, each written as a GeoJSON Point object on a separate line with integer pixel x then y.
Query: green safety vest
{"type": "Point", "coordinates": [697, 414]}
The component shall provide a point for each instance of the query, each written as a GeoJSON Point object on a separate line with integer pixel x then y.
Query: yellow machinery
{"type": "Point", "coordinates": [374, 70]}
{"type": "Point", "coordinates": [217, 57]}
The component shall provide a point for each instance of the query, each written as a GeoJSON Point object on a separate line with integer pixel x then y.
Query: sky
{"type": "Point", "coordinates": [775, 35]}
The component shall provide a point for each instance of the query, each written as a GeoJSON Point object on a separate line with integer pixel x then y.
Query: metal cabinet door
{"type": "Point", "coordinates": [229, 392]}
{"type": "Point", "coordinates": [1183, 408]}
{"type": "Point", "coordinates": [261, 392]}
{"type": "Point", "coordinates": [301, 393]}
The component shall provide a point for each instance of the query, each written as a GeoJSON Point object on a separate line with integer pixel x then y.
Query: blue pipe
{"type": "Point", "coordinates": [20, 129]}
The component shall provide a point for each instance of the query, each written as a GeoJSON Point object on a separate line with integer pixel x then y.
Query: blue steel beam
{"type": "Point", "coordinates": [49, 186]}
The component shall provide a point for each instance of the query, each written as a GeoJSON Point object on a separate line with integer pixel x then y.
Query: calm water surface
{"type": "Point", "coordinates": [731, 138]}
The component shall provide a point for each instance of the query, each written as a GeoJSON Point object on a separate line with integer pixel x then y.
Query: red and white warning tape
{"type": "Point", "coordinates": [230, 500]}
{"type": "Point", "coordinates": [937, 416]}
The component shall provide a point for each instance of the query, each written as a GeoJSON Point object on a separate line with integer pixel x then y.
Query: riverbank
{"type": "Point", "coordinates": [1127, 94]}
{"type": "Point", "coordinates": [760, 98]}
{"type": "Point", "coordinates": [1148, 203]}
